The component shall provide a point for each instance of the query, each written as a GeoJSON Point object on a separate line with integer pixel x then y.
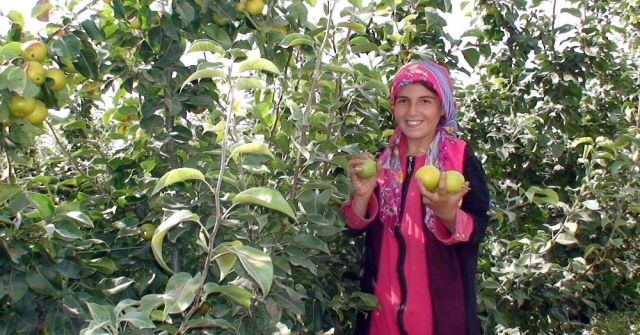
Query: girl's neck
{"type": "Point", "coordinates": [417, 147]}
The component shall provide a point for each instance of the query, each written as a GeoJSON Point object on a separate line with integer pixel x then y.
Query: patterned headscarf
{"type": "Point", "coordinates": [436, 77]}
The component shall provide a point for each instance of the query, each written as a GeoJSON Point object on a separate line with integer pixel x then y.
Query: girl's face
{"type": "Point", "coordinates": [418, 111]}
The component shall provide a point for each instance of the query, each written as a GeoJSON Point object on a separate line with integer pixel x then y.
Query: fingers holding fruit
{"type": "Point", "coordinates": [363, 172]}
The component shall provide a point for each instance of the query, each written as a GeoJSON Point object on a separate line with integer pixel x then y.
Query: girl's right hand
{"type": "Point", "coordinates": [363, 187]}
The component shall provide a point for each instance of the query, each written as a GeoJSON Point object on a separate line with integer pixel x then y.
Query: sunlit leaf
{"type": "Point", "coordinates": [296, 39]}
{"type": "Point", "coordinates": [266, 197]}
{"type": "Point", "coordinates": [252, 148]}
{"type": "Point", "coordinates": [259, 64]}
{"type": "Point", "coordinates": [176, 176]}
{"type": "Point", "coordinates": [205, 73]}
{"type": "Point", "coordinates": [234, 294]}
{"type": "Point", "coordinates": [257, 264]}
{"type": "Point", "coordinates": [205, 45]}
{"type": "Point", "coordinates": [161, 231]}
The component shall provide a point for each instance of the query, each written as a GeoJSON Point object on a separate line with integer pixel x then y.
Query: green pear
{"type": "Point", "coordinates": [454, 181]}
{"type": "Point", "coordinates": [430, 177]}
{"type": "Point", "coordinates": [369, 169]}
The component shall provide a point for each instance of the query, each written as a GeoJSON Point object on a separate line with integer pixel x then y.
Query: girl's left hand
{"type": "Point", "coordinates": [442, 204]}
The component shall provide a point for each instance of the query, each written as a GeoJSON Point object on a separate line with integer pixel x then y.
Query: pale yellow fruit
{"type": "Point", "coordinates": [134, 24]}
{"type": "Point", "coordinates": [369, 169]}
{"type": "Point", "coordinates": [147, 231]}
{"type": "Point", "coordinates": [254, 7]}
{"type": "Point", "coordinates": [239, 6]}
{"type": "Point", "coordinates": [34, 51]}
{"type": "Point", "coordinates": [20, 106]}
{"type": "Point", "coordinates": [35, 72]}
{"type": "Point", "coordinates": [39, 114]}
{"type": "Point", "coordinates": [218, 20]}
{"type": "Point", "coordinates": [59, 78]}
{"type": "Point", "coordinates": [454, 181]}
{"type": "Point", "coordinates": [430, 177]}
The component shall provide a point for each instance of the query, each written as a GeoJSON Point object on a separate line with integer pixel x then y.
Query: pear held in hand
{"type": "Point", "coordinates": [454, 181]}
{"type": "Point", "coordinates": [430, 177]}
{"type": "Point", "coordinates": [369, 169]}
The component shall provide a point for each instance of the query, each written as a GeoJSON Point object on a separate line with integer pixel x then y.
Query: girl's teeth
{"type": "Point", "coordinates": [413, 123]}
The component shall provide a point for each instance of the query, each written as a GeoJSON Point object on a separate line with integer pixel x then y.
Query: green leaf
{"type": "Point", "coordinates": [573, 11]}
{"type": "Point", "coordinates": [67, 231]}
{"type": "Point", "coordinates": [103, 265]}
{"type": "Point", "coordinates": [252, 148]}
{"type": "Point", "coordinates": [79, 217]}
{"type": "Point", "coordinates": [357, 27]}
{"type": "Point", "coordinates": [161, 231]}
{"type": "Point", "coordinates": [40, 284]}
{"type": "Point", "coordinates": [99, 312]}
{"type": "Point", "coordinates": [225, 258]}
{"type": "Point", "coordinates": [138, 320]}
{"type": "Point", "coordinates": [42, 203]}
{"type": "Point", "coordinates": [257, 264]}
{"type": "Point", "coordinates": [8, 192]}
{"type": "Point", "coordinates": [235, 294]}
{"type": "Point", "coordinates": [566, 239]}
{"type": "Point", "coordinates": [266, 197]}
{"type": "Point", "coordinates": [204, 73]}
{"type": "Point", "coordinates": [296, 39]}
{"type": "Point", "coordinates": [591, 204]}
{"type": "Point", "coordinates": [549, 196]}
{"type": "Point", "coordinates": [248, 84]}
{"type": "Point", "coordinates": [180, 292]}
{"type": "Point", "coordinates": [472, 56]}
{"type": "Point", "coordinates": [205, 45]}
{"type": "Point", "coordinates": [176, 176]}
{"type": "Point", "coordinates": [16, 286]}
{"type": "Point", "coordinates": [258, 64]}
{"type": "Point", "coordinates": [16, 17]}
{"type": "Point", "coordinates": [209, 323]}
{"type": "Point", "coordinates": [311, 242]}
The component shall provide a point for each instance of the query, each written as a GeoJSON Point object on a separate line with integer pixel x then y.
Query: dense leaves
{"type": "Point", "coordinates": [189, 177]}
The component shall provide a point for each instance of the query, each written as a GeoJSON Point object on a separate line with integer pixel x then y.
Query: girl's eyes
{"type": "Point", "coordinates": [403, 101]}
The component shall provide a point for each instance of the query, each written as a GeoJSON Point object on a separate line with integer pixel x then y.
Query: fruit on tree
{"type": "Point", "coordinates": [492, 9]}
{"type": "Point", "coordinates": [147, 231]}
{"type": "Point", "coordinates": [39, 114]}
{"type": "Point", "coordinates": [218, 20]}
{"type": "Point", "coordinates": [135, 23]}
{"type": "Point", "coordinates": [35, 72]}
{"type": "Point", "coordinates": [239, 6]}
{"type": "Point", "coordinates": [430, 177]}
{"type": "Point", "coordinates": [454, 181]}
{"type": "Point", "coordinates": [20, 106]}
{"type": "Point", "coordinates": [369, 169]}
{"type": "Point", "coordinates": [34, 51]}
{"type": "Point", "coordinates": [59, 78]}
{"type": "Point", "coordinates": [254, 7]}
{"type": "Point", "coordinates": [283, 30]}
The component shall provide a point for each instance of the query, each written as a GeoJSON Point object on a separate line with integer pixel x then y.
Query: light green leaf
{"type": "Point", "coordinates": [161, 231]}
{"type": "Point", "coordinates": [99, 312]}
{"type": "Point", "coordinates": [266, 197]}
{"type": "Point", "coordinates": [257, 264]}
{"type": "Point", "coordinates": [79, 217]}
{"type": "Point", "coordinates": [180, 292]}
{"type": "Point", "coordinates": [252, 148]}
{"type": "Point", "coordinates": [177, 176]}
{"type": "Point", "coordinates": [591, 204]}
{"type": "Point", "coordinates": [42, 203]}
{"type": "Point", "coordinates": [207, 323]}
{"type": "Point", "coordinates": [206, 45]}
{"type": "Point", "coordinates": [249, 84]}
{"type": "Point", "coordinates": [259, 64]}
{"type": "Point", "coordinates": [235, 294]}
{"type": "Point", "coordinates": [205, 73]}
{"type": "Point", "coordinates": [357, 27]}
{"type": "Point", "coordinates": [225, 258]}
{"type": "Point", "coordinates": [296, 39]}
{"type": "Point", "coordinates": [16, 17]}
{"type": "Point", "coordinates": [566, 239]}
{"type": "Point", "coordinates": [103, 265]}
{"type": "Point", "coordinates": [138, 320]}
{"type": "Point", "coordinates": [8, 192]}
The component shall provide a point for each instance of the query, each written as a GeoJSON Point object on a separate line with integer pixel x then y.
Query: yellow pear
{"type": "Point", "coordinates": [430, 177]}
{"type": "Point", "coordinates": [40, 113]}
{"type": "Point", "coordinates": [254, 7]}
{"type": "Point", "coordinates": [59, 78]}
{"type": "Point", "coordinates": [454, 181]}
{"type": "Point", "coordinates": [34, 51]}
{"type": "Point", "coordinates": [369, 169]}
{"type": "Point", "coordinates": [35, 72]}
{"type": "Point", "coordinates": [20, 106]}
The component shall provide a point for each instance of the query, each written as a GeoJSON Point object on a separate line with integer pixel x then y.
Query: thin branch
{"type": "Point", "coordinates": [218, 209]}
{"type": "Point", "coordinates": [71, 159]}
{"type": "Point", "coordinates": [310, 101]}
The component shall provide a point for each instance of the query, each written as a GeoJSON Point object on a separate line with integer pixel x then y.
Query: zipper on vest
{"type": "Point", "coordinates": [402, 248]}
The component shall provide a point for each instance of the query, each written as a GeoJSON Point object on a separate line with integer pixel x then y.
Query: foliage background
{"type": "Point", "coordinates": [240, 158]}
